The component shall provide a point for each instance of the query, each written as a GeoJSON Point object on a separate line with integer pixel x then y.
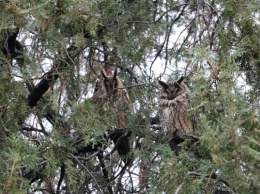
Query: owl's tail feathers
{"type": "Point", "coordinates": [177, 140]}
{"type": "Point", "coordinates": [124, 150]}
{"type": "Point", "coordinates": [122, 145]}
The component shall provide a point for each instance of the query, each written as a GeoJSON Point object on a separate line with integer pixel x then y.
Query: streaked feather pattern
{"type": "Point", "coordinates": [113, 99]}
{"type": "Point", "coordinates": [173, 109]}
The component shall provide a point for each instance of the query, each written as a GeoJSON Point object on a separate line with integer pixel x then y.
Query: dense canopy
{"type": "Point", "coordinates": [52, 136]}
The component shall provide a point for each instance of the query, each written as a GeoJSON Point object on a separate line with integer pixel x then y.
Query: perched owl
{"type": "Point", "coordinates": [174, 119]}
{"type": "Point", "coordinates": [113, 99]}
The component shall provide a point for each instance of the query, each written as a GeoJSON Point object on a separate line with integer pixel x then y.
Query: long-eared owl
{"type": "Point", "coordinates": [113, 99]}
{"type": "Point", "coordinates": [173, 103]}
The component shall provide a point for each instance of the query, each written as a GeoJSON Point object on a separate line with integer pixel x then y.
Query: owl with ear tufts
{"type": "Point", "coordinates": [174, 119]}
{"type": "Point", "coordinates": [113, 100]}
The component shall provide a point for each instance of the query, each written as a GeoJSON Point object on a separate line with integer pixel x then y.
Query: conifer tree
{"type": "Point", "coordinates": [52, 136]}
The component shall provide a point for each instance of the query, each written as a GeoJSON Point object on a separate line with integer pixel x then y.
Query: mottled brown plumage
{"type": "Point", "coordinates": [113, 99]}
{"type": "Point", "coordinates": [175, 121]}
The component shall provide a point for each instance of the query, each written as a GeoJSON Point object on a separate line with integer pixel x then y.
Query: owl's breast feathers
{"type": "Point", "coordinates": [181, 100]}
{"type": "Point", "coordinates": [174, 117]}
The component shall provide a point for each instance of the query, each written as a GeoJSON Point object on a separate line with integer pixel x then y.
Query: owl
{"type": "Point", "coordinates": [113, 99]}
{"type": "Point", "coordinates": [174, 119]}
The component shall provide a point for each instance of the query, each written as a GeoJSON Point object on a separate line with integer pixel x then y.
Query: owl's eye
{"type": "Point", "coordinates": [172, 90]}
{"type": "Point", "coordinates": [114, 85]}
{"type": "Point", "coordinates": [176, 90]}
{"type": "Point", "coordinates": [107, 85]}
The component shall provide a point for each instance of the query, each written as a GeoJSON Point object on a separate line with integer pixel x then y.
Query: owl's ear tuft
{"type": "Point", "coordinates": [163, 84]}
{"type": "Point", "coordinates": [115, 73]}
{"type": "Point", "coordinates": [103, 73]}
{"type": "Point", "coordinates": [180, 80]}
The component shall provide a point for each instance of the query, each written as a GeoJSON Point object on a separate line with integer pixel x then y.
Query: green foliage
{"type": "Point", "coordinates": [63, 45]}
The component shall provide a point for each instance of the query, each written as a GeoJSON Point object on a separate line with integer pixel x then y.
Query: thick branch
{"type": "Point", "coordinates": [10, 44]}
{"type": "Point", "coordinates": [41, 88]}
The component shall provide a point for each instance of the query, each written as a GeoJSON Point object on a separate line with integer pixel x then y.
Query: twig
{"type": "Point", "coordinates": [100, 190]}
{"type": "Point", "coordinates": [179, 188]}
{"type": "Point", "coordinates": [89, 157]}
{"type": "Point", "coordinates": [211, 176]}
{"type": "Point", "coordinates": [104, 171]}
